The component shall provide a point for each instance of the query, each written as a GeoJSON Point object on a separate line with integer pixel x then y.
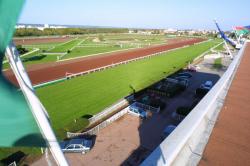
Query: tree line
{"type": "Point", "coordinates": [66, 31]}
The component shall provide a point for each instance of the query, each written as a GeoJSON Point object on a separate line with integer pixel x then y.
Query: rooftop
{"type": "Point", "coordinates": [229, 142]}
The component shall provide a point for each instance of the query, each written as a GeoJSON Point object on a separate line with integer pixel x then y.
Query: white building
{"type": "Point", "coordinates": [170, 30]}
{"type": "Point", "coordinates": [19, 26]}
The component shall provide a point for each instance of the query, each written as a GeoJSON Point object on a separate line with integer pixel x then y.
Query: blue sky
{"type": "Point", "coordinates": [181, 14]}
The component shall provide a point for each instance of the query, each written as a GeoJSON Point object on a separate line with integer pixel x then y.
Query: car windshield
{"type": "Point", "coordinates": [77, 147]}
{"type": "Point", "coordinates": [208, 83]}
{"type": "Point", "coordinates": [70, 147]}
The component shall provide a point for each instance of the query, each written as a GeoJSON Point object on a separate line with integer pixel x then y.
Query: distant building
{"type": "Point", "coordinates": [57, 26]}
{"type": "Point", "coordinates": [145, 32]}
{"type": "Point", "coordinates": [46, 25]}
{"type": "Point", "coordinates": [41, 27]}
{"type": "Point", "coordinates": [131, 31]}
{"type": "Point", "coordinates": [19, 26]}
{"type": "Point", "coordinates": [170, 31]}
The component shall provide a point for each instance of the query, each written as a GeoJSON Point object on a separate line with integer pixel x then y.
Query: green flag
{"type": "Point", "coordinates": [242, 32]}
{"type": "Point", "coordinates": [17, 125]}
{"type": "Point", "coordinates": [9, 12]}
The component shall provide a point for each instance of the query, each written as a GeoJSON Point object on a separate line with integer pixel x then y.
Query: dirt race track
{"type": "Point", "coordinates": [27, 41]}
{"type": "Point", "coordinates": [55, 70]}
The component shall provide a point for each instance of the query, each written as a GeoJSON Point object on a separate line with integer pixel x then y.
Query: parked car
{"type": "Point", "coordinates": [182, 77]}
{"type": "Point", "coordinates": [168, 130]}
{"type": "Point", "coordinates": [174, 90]}
{"type": "Point", "coordinates": [207, 85]}
{"type": "Point", "coordinates": [76, 145]}
{"type": "Point", "coordinates": [184, 82]}
{"type": "Point", "coordinates": [186, 74]}
{"type": "Point", "coordinates": [138, 112]}
{"type": "Point", "coordinates": [183, 110]}
{"type": "Point", "coordinates": [201, 92]}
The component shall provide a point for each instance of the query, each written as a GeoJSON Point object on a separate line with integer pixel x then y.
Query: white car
{"type": "Point", "coordinates": [76, 145]}
{"type": "Point", "coordinates": [207, 85]}
{"type": "Point", "coordinates": [138, 112]}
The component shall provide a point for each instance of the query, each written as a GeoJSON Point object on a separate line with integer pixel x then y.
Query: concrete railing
{"type": "Point", "coordinates": [185, 145]}
{"type": "Point", "coordinates": [111, 109]}
{"type": "Point", "coordinates": [146, 107]}
{"type": "Point", "coordinates": [100, 126]}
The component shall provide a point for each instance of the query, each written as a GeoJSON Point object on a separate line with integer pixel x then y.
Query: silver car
{"type": "Point", "coordinates": [207, 85]}
{"type": "Point", "coordinates": [76, 146]}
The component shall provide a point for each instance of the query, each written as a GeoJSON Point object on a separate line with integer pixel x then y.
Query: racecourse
{"type": "Point", "coordinates": [57, 70]}
{"type": "Point", "coordinates": [90, 94]}
{"type": "Point", "coordinates": [53, 49]}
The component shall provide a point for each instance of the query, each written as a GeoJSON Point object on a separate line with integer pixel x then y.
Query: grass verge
{"type": "Point", "coordinates": [218, 63]}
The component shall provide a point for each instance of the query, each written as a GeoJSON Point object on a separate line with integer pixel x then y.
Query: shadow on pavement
{"type": "Point", "coordinates": [151, 129]}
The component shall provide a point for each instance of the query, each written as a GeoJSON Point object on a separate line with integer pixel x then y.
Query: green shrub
{"type": "Point", "coordinates": [218, 63]}
{"type": "Point", "coordinates": [21, 50]}
{"type": "Point", "coordinates": [77, 125]}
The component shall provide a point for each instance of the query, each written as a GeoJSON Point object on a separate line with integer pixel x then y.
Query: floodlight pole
{"type": "Point", "coordinates": [37, 109]}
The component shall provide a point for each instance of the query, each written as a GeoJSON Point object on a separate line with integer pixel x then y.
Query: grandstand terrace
{"type": "Point", "coordinates": [216, 132]}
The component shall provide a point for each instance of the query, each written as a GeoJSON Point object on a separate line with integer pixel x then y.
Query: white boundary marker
{"type": "Point", "coordinates": [112, 65]}
{"type": "Point", "coordinates": [61, 60]}
{"type": "Point", "coordinates": [128, 61]}
{"type": "Point", "coordinates": [62, 44]}
{"type": "Point", "coordinates": [114, 51]}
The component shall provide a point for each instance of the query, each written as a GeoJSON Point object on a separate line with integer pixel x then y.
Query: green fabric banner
{"type": "Point", "coordinates": [242, 32]}
{"type": "Point", "coordinates": [17, 124]}
{"type": "Point", "coordinates": [9, 12]}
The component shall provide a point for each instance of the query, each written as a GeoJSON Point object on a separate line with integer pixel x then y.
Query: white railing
{"type": "Point", "coordinates": [13, 164]}
{"type": "Point", "coordinates": [145, 107]}
{"type": "Point", "coordinates": [124, 62]}
{"type": "Point", "coordinates": [185, 145]}
{"type": "Point", "coordinates": [97, 128]}
{"type": "Point", "coordinates": [122, 103]}
{"type": "Point", "coordinates": [69, 76]}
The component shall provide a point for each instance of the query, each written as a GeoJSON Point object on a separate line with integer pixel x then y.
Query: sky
{"type": "Point", "coordinates": [179, 14]}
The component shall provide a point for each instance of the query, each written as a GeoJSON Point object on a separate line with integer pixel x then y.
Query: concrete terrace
{"type": "Point", "coordinates": [229, 142]}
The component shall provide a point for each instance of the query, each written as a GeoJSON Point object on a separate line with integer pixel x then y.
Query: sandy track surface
{"type": "Point", "coordinates": [56, 70]}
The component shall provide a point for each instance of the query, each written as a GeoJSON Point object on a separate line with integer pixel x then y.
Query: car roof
{"type": "Point", "coordinates": [76, 141]}
{"type": "Point", "coordinates": [209, 82]}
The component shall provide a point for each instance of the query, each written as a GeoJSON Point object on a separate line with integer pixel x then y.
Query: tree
{"type": "Point", "coordinates": [21, 50]}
